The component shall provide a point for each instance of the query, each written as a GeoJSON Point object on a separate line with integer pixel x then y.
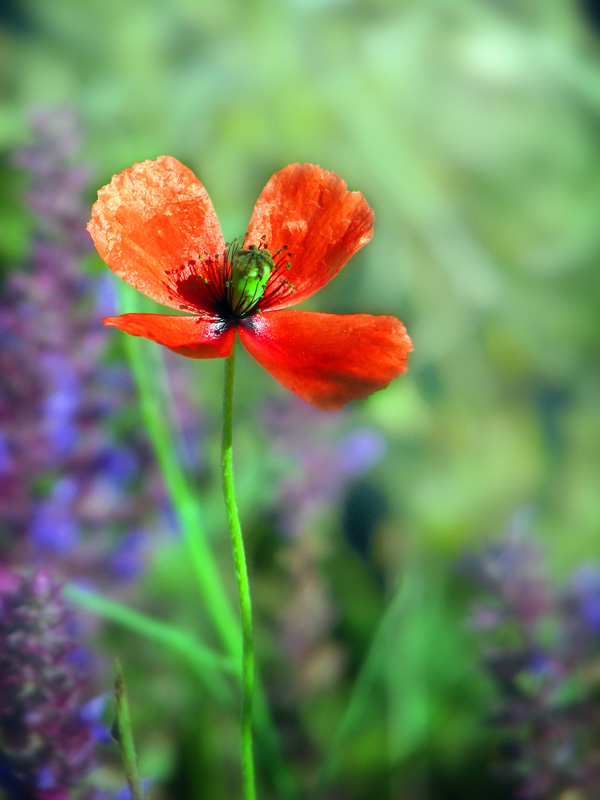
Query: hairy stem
{"type": "Point", "coordinates": [241, 572]}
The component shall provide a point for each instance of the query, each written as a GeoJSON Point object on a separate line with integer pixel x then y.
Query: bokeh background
{"type": "Point", "coordinates": [472, 129]}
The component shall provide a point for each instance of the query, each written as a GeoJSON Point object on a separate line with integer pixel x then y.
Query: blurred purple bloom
{"type": "Point", "coordinates": [53, 528]}
{"type": "Point", "coordinates": [324, 458]}
{"type": "Point", "coordinates": [81, 656]}
{"type": "Point", "coordinates": [536, 647]}
{"type": "Point", "coordinates": [4, 453]}
{"type": "Point", "coordinates": [45, 779]}
{"type": "Point", "coordinates": [91, 713]}
{"type": "Point", "coordinates": [107, 300]}
{"type": "Point", "coordinates": [69, 487]}
{"type": "Point", "coordinates": [125, 794]}
{"type": "Point", "coordinates": [120, 463]}
{"type": "Point", "coordinates": [62, 403]}
{"type": "Point", "coordinates": [46, 745]}
{"type": "Point", "coordinates": [584, 590]}
{"type": "Point", "coordinates": [128, 557]}
{"type": "Point", "coordinates": [93, 709]}
{"type": "Point", "coordinates": [359, 451]}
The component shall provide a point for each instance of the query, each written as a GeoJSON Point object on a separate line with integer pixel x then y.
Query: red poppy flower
{"type": "Point", "coordinates": [156, 228]}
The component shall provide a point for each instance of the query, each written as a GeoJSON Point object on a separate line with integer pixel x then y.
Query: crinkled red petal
{"type": "Point", "coordinates": [153, 224]}
{"type": "Point", "coordinates": [194, 337]}
{"type": "Point", "coordinates": [311, 212]}
{"type": "Point", "coordinates": [327, 359]}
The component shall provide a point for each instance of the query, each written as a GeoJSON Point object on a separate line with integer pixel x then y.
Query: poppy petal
{"type": "Point", "coordinates": [194, 337]}
{"type": "Point", "coordinates": [327, 359]}
{"type": "Point", "coordinates": [311, 213]}
{"type": "Point", "coordinates": [152, 224]}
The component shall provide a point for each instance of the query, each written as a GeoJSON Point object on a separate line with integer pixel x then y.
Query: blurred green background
{"type": "Point", "coordinates": [472, 129]}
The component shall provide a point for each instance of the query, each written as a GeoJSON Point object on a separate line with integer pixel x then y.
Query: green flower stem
{"type": "Point", "coordinates": [241, 572]}
{"type": "Point", "coordinates": [146, 364]}
{"type": "Point", "coordinates": [125, 737]}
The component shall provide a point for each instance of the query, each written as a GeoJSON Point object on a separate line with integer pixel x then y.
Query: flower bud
{"type": "Point", "coordinates": [250, 271]}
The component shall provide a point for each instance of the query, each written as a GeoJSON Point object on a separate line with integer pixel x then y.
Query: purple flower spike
{"type": "Point", "coordinates": [46, 743]}
{"type": "Point", "coordinates": [537, 649]}
{"type": "Point", "coordinates": [72, 485]}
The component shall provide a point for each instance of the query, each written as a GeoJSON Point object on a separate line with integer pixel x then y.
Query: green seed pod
{"type": "Point", "coordinates": [250, 271]}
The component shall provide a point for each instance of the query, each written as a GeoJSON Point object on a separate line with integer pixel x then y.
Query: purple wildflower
{"type": "Point", "coordinates": [537, 648]}
{"type": "Point", "coordinates": [47, 733]}
{"type": "Point", "coordinates": [74, 479]}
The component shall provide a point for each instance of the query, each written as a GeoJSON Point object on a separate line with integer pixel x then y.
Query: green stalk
{"type": "Point", "coordinates": [243, 585]}
{"type": "Point", "coordinates": [125, 737]}
{"type": "Point", "coordinates": [215, 599]}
